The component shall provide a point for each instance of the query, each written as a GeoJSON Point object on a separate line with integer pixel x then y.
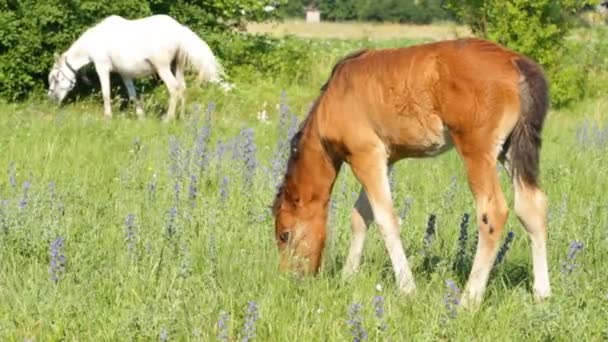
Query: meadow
{"type": "Point", "coordinates": [139, 230]}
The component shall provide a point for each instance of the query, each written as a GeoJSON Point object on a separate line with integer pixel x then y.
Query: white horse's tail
{"type": "Point", "coordinates": [194, 51]}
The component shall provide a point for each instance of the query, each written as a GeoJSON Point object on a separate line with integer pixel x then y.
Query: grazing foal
{"type": "Point", "coordinates": [380, 106]}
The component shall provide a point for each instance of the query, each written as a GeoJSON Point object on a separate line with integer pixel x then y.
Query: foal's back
{"type": "Point", "coordinates": [414, 100]}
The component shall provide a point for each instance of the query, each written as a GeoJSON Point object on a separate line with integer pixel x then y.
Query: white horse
{"type": "Point", "coordinates": [136, 48]}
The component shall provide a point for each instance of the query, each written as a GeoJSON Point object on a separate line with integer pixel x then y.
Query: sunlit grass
{"type": "Point", "coordinates": [163, 237]}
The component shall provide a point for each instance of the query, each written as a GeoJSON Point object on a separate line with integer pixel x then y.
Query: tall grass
{"type": "Point", "coordinates": [137, 230]}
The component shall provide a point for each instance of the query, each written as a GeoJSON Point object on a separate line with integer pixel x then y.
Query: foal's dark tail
{"type": "Point", "coordinates": [525, 140]}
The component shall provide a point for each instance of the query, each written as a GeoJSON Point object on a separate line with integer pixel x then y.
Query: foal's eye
{"type": "Point", "coordinates": [284, 236]}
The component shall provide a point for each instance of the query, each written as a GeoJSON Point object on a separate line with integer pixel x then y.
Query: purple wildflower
{"type": "Point", "coordinates": [451, 300]}
{"type": "Point", "coordinates": [202, 139]}
{"type": "Point", "coordinates": [355, 322]}
{"type": "Point", "coordinates": [174, 157]}
{"type": "Point", "coordinates": [192, 189]}
{"type": "Point", "coordinates": [24, 199]}
{"type": "Point", "coordinates": [224, 189]}
{"type": "Point", "coordinates": [220, 150]}
{"type": "Point", "coordinates": [12, 177]}
{"type": "Point", "coordinates": [176, 192]}
{"type": "Point", "coordinates": [568, 265]}
{"type": "Point", "coordinates": [222, 326]}
{"type": "Point", "coordinates": [152, 188]}
{"type": "Point", "coordinates": [55, 203]}
{"type": "Point", "coordinates": [58, 260]}
{"type": "Point", "coordinates": [249, 154]}
{"type": "Point", "coordinates": [430, 230]}
{"type": "Point", "coordinates": [250, 319]}
{"type": "Point", "coordinates": [463, 236]}
{"type": "Point", "coordinates": [184, 265]}
{"type": "Point", "coordinates": [130, 233]}
{"type": "Point", "coordinates": [378, 303]}
{"type": "Point", "coordinates": [171, 221]}
{"type": "Point", "coordinates": [504, 248]}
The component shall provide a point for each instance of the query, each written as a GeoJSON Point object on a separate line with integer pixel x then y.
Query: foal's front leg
{"type": "Point", "coordinates": [103, 72]}
{"type": "Point", "coordinates": [370, 168]}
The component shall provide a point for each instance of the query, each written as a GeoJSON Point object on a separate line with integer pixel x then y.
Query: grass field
{"type": "Point", "coordinates": [357, 30]}
{"type": "Point", "coordinates": [138, 230]}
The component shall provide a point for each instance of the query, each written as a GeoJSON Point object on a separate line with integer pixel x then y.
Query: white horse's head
{"type": "Point", "coordinates": [62, 79]}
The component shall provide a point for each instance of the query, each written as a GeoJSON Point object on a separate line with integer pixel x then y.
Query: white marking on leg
{"type": "Point", "coordinates": [387, 222]}
{"type": "Point", "coordinates": [530, 207]}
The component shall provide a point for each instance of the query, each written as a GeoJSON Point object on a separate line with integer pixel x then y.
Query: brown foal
{"type": "Point", "coordinates": [380, 106]}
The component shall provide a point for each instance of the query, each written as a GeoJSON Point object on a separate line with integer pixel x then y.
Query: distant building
{"type": "Point", "coordinates": [313, 15]}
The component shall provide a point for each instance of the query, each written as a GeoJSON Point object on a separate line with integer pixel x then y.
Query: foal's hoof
{"type": "Point", "coordinates": [541, 295]}
{"type": "Point", "coordinates": [469, 302]}
{"type": "Point", "coordinates": [408, 289]}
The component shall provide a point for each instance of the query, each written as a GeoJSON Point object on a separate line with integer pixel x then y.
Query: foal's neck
{"type": "Point", "coordinates": [314, 171]}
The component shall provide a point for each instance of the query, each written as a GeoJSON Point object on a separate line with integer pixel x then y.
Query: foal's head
{"type": "Point", "coordinates": [300, 211]}
{"type": "Point", "coordinates": [299, 230]}
{"type": "Point", "coordinates": [62, 79]}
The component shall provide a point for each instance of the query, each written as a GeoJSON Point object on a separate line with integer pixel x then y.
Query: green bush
{"type": "Point", "coordinates": [534, 28]}
{"type": "Point", "coordinates": [250, 56]}
{"type": "Point", "coordinates": [32, 31]}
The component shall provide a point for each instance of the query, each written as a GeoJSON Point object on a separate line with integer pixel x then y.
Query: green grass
{"type": "Point", "coordinates": [222, 253]}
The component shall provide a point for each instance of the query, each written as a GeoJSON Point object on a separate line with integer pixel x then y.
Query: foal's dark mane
{"type": "Point", "coordinates": [295, 140]}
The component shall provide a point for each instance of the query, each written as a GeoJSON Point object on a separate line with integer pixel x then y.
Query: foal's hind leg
{"type": "Point", "coordinates": [530, 207]}
{"type": "Point", "coordinates": [371, 170]}
{"type": "Point", "coordinates": [492, 214]}
{"type": "Point", "coordinates": [360, 219]}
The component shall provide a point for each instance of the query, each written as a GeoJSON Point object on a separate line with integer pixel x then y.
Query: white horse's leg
{"type": "Point", "coordinates": [179, 75]}
{"type": "Point", "coordinates": [103, 72]}
{"type": "Point", "coordinates": [173, 87]}
{"type": "Point", "coordinates": [128, 81]}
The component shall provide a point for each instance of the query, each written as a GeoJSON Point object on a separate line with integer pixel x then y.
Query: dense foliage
{"type": "Point", "coordinates": [32, 31]}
